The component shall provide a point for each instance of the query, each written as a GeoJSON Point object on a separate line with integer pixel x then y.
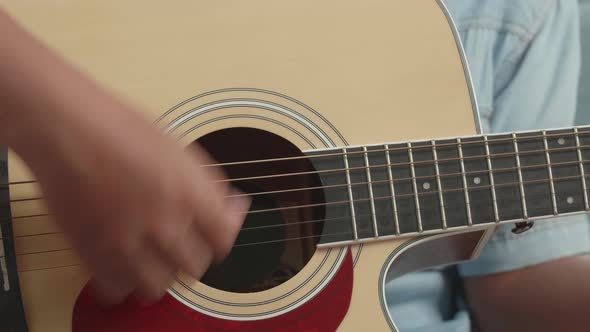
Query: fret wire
{"type": "Point", "coordinates": [491, 175]}
{"type": "Point", "coordinates": [466, 192]}
{"type": "Point", "coordinates": [370, 187]}
{"type": "Point", "coordinates": [392, 189]}
{"type": "Point", "coordinates": [415, 185]}
{"type": "Point", "coordinates": [522, 196]}
{"type": "Point", "coordinates": [550, 172]}
{"type": "Point", "coordinates": [581, 161]}
{"type": "Point", "coordinates": [438, 183]}
{"type": "Point", "coordinates": [352, 213]}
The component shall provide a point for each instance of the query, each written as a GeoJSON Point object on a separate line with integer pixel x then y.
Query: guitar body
{"type": "Point", "coordinates": [249, 76]}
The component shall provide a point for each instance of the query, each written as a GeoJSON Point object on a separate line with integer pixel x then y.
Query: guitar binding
{"type": "Point", "coordinates": [12, 313]}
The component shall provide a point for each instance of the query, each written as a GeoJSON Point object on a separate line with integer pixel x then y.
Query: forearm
{"type": "Point", "coordinates": [553, 296]}
{"type": "Point", "coordinates": [134, 204]}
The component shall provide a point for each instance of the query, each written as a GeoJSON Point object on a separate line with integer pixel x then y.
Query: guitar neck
{"type": "Point", "coordinates": [425, 187]}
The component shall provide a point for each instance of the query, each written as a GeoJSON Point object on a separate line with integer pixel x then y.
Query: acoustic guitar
{"type": "Point", "coordinates": [352, 125]}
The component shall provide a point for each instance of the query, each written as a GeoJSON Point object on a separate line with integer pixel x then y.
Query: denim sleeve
{"type": "Point", "coordinates": [527, 79]}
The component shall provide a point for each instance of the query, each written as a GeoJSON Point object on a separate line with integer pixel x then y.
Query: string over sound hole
{"type": "Point", "coordinates": [275, 244]}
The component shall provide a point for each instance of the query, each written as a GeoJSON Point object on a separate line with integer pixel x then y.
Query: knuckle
{"type": "Point", "coordinates": [124, 248]}
{"type": "Point", "coordinates": [165, 233]}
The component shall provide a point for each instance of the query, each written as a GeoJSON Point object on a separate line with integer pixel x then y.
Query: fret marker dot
{"type": "Point", "coordinates": [426, 185]}
{"type": "Point", "coordinates": [477, 180]}
{"type": "Point", "coordinates": [561, 141]}
{"type": "Point", "coordinates": [570, 200]}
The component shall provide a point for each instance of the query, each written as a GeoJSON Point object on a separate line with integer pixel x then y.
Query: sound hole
{"type": "Point", "coordinates": [272, 246]}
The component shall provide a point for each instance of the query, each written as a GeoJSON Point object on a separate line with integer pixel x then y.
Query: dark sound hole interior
{"type": "Point", "coordinates": [272, 246]}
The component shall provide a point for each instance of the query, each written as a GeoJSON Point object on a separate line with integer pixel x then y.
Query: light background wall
{"type": "Point", "coordinates": [583, 114]}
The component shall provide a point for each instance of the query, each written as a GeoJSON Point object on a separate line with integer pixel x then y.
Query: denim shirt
{"type": "Point", "coordinates": [524, 58]}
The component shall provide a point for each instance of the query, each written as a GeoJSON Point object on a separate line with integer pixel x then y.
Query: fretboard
{"type": "Point", "coordinates": [402, 189]}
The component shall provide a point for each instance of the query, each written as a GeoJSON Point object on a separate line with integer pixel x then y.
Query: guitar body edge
{"type": "Point", "coordinates": [323, 84]}
{"type": "Point", "coordinates": [12, 313]}
{"type": "Point", "coordinates": [384, 261]}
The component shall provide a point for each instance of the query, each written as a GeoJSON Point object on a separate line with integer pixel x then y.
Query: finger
{"type": "Point", "coordinates": [153, 273]}
{"type": "Point", "coordinates": [185, 249]}
{"type": "Point", "coordinates": [194, 255]}
{"type": "Point", "coordinates": [110, 293]}
{"type": "Point", "coordinates": [202, 158]}
{"type": "Point", "coordinates": [110, 265]}
{"type": "Point", "coordinates": [220, 218]}
{"type": "Point", "coordinates": [111, 283]}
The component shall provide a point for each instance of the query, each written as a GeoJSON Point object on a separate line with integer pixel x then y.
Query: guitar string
{"type": "Point", "coordinates": [429, 162]}
{"type": "Point", "coordinates": [374, 151]}
{"type": "Point", "coordinates": [461, 204]}
{"type": "Point", "coordinates": [365, 183]}
{"type": "Point", "coordinates": [255, 243]}
{"type": "Point", "coordinates": [47, 268]}
{"type": "Point", "coordinates": [332, 234]}
{"type": "Point", "coordinates": [405, 147]}
{"type": "Point", "coordinates": [409, 163]}
{"type": "Point", "coordinates": [485, 172]}
{"type": "Point", "coordinates": [498, 170]}
{"type": "Point", "coordinates": [348, 233]}
{"type": "Point", "coordinates": [431, 192]}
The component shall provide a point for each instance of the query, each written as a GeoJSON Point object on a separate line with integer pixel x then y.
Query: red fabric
{"type": "Point", "coordinates": [323, 313]}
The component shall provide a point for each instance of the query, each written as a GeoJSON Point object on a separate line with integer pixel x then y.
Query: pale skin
{"type": "Point", "coordinates": [138, 208]}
